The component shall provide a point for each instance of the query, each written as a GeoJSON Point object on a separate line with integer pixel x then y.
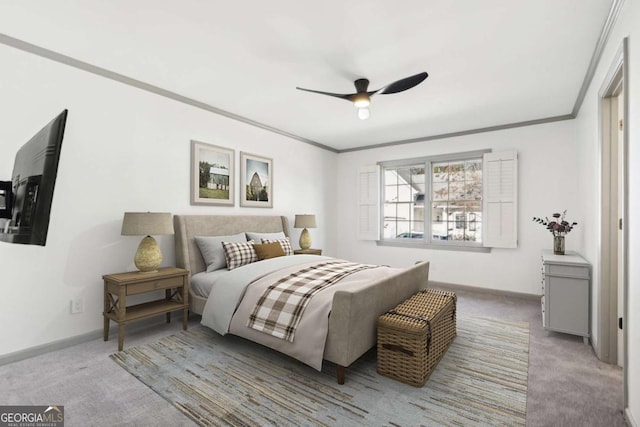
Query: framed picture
{"type": "Point", "coordinates": [256, 181]}
{"type": "Point", "coordinates": [212, 177]}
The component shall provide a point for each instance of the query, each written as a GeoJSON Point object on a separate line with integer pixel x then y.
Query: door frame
{"type": "Point", "coordinates": [606, 311]}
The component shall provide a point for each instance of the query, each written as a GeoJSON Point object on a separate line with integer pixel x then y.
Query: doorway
{"type": "Point", "coordinates": [613, 266]}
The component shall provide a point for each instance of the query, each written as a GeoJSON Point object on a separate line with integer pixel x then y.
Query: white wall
{"type": "Point", "coordinates": [547, 184]}
{"type": "Point", "coordinates": [124, 150]}
{"type": "Point", "coordinates": [587, 128]}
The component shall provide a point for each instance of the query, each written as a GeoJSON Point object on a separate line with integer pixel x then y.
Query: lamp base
{"type": "Point", "coordinates": [305, 239]}
{"type": "Point", "coordinates": [148, 257]}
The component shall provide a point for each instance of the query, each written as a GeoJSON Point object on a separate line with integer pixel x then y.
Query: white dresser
{"type": "Point", "coordinates": [566, 292]}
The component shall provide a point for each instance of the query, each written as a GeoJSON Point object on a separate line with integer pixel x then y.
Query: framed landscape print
{"type": "Point", "coordinates": [212, 178]}
{"type": "Point", "coordinates": [256, 181]}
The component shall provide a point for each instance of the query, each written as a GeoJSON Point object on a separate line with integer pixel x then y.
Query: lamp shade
{"type": "Point", "coordinates": [305, 221]}
{"type": "Point", "coordinates": [146, 223]}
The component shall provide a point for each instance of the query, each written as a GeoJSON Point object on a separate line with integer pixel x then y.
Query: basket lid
{"type": "Point", "coordinates": [416, 312]}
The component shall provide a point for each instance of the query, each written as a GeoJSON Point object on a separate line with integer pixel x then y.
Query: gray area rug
{"type": "Point", "coordinates": [215, 380]}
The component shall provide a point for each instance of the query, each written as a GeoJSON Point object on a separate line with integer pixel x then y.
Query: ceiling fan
{"type": "Point", "coordinates": [362, 98]}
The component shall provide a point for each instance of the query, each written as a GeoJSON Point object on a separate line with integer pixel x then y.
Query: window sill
{"type": "Point", "coordinates": [422, 245]}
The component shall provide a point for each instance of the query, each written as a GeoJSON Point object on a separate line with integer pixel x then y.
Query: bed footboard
{"type": "Point", "coordinates": [354, 315]}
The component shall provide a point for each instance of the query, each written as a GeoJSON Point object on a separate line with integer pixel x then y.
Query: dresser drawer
{"type": "Point", "coordinates": [578, 271]}
{"type": "Point", "coordinates": [155, 284]}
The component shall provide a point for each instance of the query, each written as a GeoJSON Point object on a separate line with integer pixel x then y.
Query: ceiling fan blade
{"type": "Point", "coordinates": [348, 97]}
{"type": "Point", "coordinates": [403, 84]}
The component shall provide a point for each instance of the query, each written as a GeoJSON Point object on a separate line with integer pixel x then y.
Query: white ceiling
{"type": "Point", "coordinates": [490, 62]}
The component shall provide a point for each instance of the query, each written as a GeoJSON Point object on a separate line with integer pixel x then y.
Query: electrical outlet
{"type": "Point", "coordinates": [77, 305]}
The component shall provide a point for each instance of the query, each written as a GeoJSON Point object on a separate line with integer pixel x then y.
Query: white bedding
{"type": "Point", "coordinates": [202, 282]}
{"type": "Point", "coordinates": [231, 300]}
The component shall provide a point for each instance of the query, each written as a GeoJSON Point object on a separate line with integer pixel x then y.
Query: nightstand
{"type": "Point", "coordinates": [174, 281]}
{"type": "Point", "coordinates": [308, 251]}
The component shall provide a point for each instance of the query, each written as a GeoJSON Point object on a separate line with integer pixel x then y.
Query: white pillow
{"type": "Point", "coordinates": [286, 245]}
{"type": "Point", "coordinates": [239, 253]}
{"type": "Point", "coordinates": [260, 236]}
{"type": "Point", "coordinates": [211, 249]}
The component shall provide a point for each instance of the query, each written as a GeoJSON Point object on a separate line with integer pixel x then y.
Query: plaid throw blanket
{"type": "Point", "coordinates": [279, 309]}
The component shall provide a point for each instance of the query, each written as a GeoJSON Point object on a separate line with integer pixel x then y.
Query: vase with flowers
{"type": "Point", "coordinates": [559, 227]}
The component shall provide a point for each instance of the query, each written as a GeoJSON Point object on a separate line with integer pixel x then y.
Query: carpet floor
{"type": "Point", "coordinates": [214, 380]}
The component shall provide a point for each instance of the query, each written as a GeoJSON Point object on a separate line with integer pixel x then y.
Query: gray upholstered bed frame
{"type": "Point", "coordinates": [354, 315]}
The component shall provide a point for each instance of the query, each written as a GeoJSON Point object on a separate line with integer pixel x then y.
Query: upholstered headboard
{"type": "Point", "coordinates": [187, 227]}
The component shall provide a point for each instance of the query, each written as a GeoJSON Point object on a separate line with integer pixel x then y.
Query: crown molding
{"type": "Point", "coordinates": [462, 133]}
{"type": "Point", "coordinates": [609, 23]}
{"type": "Point", "coordinates": [103, 72]}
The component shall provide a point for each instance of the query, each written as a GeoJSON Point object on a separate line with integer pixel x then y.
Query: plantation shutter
{"type": "Point", "coordinates": [368, 207]}
{"type": "Point", "coordinates": [500, 199]}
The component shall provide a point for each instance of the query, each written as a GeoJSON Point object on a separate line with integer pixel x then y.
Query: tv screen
{"type": "Point", "coordinates": [32, 183]}
{"type": "Point", "coordinates": [5, 199]}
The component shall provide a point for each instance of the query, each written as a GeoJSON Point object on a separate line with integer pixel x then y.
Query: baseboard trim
{"type": "Point", "coordinates": [455, 286]}
{"type": "Point", "coordinates": [48, 347]}
{"type": "Point", "coordinates": [629, 418]}
{"type": "Point", "coordinates": [38, 350]}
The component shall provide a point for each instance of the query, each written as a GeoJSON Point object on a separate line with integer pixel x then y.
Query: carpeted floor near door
{"type": "Point", "coordinates": [215, 380]}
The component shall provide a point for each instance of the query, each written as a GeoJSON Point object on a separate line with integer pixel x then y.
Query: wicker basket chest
{"type": "Point", "coordinates": [413, 337]}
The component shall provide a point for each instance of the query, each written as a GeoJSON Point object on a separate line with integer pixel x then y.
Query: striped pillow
{"type": "Point", "coordinates": [286, 245]}
{"type": "Point", "coordinates": [239, 253]}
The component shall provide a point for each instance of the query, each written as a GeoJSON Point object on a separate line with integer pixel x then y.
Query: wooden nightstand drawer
{"type": "Point", "coordinates": [152, 285]}
{"type": "Point", "coordinates": [308, 251]}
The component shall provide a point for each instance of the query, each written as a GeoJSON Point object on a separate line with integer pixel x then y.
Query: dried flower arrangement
{"type": "Point", "coordinates": [558, 226]}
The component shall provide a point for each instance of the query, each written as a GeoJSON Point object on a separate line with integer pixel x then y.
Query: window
{"type": "Point", "coordinates": [456, 199]}
{"type": "Point", "coordinates": [404, 189]}
{"type": "Point", "coordinates": [465, 200]}
{"type": "Point", "coordinates": [436, 200]}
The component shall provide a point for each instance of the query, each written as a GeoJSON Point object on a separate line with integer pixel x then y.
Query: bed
{"type": "Point", "coordinates": [352, 312]}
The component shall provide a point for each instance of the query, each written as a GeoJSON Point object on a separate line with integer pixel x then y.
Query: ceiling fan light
{"type": "Point", "coordinates": [361, 100]}
{"type": "Point", "coordinates": [363, 113]}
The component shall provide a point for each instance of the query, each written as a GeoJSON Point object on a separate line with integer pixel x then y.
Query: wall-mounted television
{"type": "Point", "coordinates": [26, 200]}
{"type": "Point", "coordinates": [5, 199]}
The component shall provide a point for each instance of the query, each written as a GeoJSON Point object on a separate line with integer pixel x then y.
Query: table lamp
{"type": "Point", "coordinates": [305, 221]}
{"type": "Point", "coordinates": [148, 256]}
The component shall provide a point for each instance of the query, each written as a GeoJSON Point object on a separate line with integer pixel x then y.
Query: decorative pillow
{"type": "Point", "coordinates": [212, 252]}
{"type": "Point", "coordinates": [268, 250]}
{"type": "Point", "coordinates": [286, 245]}
{"type": "Point", "coordinates": [260, 236]}
{"type": "Point", "coordinates": [239, 253]}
